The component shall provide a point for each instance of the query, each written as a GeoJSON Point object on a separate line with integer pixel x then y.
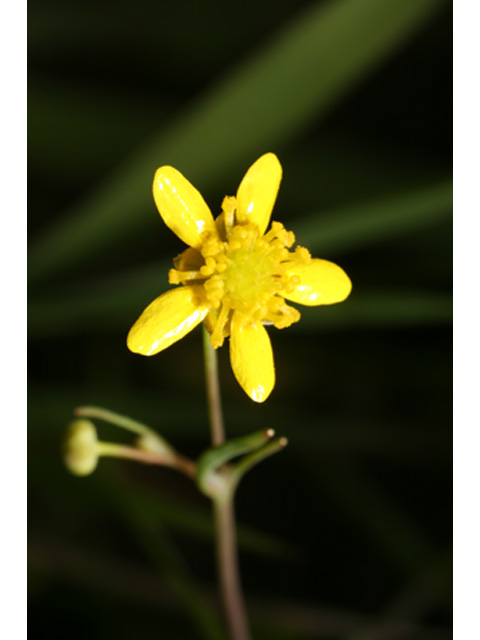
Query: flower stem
{"type": "Point", "coordinates": [226, 545]}
{"type": "Point", "coordinates": [228, 569]}
{"type": "Point", "coordinates": [213, 391]}
{"type": "Point", "coordinates": [114, 450]}
{"type": "Point", "coordinates": [114, 418]}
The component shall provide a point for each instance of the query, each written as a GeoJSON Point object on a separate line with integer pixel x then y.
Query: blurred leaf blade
{"type": "Point", "coordinates": [160, 548]}
{"type": "Point", "coordinates": [383, 309]}
{"type": "Point", "coordinates": [368, 223]}
{"type": "Point", "coordinates": [64, 118]}
{"type": "Point", "coordinates": [397, 535]}
{"type": "Point", "coordinates": [266, 102]}
{"type": "Point", "coordinates": [64, 317]}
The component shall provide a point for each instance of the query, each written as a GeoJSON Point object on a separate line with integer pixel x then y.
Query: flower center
{"type": "Point", "coordinates": [253, 271]}
{"type": "Point", "coordinates": [246, 273]}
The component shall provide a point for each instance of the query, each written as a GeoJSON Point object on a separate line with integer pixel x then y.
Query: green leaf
{"type": "Point", "coordinates": [362, 225]}
{"type": "Point", "coordinates": [160, 548]}
{"type": "Point", "coordinates": [380, 309]}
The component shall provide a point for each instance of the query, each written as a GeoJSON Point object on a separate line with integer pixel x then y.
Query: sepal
{"type": "Point", "coordinates": [218, 480]}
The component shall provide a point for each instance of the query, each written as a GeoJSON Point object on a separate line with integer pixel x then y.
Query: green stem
{"type": "Point", "coordinates": [246, 463]}
{"type": "Point", "coordinates": [213, 391]}
{"type": "Point", "coordinates": [114, 450]}
{"type": "Point", "coordinates": [209, 476]}
{"type": "Point", "coordinates": [226, 545]}
{"type": "Point", "coordinates": [114, 418]}
{"type": "Point", "coordinates": [227, 559]}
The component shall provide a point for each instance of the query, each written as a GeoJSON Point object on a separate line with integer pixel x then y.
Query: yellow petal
{"type": "Point", "coordinates": [182, 207]}
{"type": "Point", "coordinates": [321, 282]}
{"type": "Point", "coordinates": [251, 357]}
{"type": "Point", "coordinates": [167, 319]}
{"type": "Point", "coordinates": [258, 190]}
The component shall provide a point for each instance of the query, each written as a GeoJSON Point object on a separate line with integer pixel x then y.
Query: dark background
{"type": "Point", "coordinates": [346, 533]}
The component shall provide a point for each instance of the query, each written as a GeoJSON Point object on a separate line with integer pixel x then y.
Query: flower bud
{"type": "Point", "coordinates": [80, 450]}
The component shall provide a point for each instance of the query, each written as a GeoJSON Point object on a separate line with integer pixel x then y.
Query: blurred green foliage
{"type": "Point", "coordinates": [345, 534]}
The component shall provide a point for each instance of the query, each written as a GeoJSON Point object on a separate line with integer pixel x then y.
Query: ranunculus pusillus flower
{"type": "Point", "coordinates": [235, 275]}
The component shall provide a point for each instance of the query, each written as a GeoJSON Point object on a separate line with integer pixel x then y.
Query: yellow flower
{"type": "Point", "coordinates": [235, 275]}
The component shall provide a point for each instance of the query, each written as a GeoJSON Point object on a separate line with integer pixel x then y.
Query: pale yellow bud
{"type": "Point", "coordinates": [80, 447]}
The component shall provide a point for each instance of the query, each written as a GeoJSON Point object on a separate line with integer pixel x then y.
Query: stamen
{"type": "Point", "coordinates": [247, 272]}
{"type": "Point", "coordinates": [229, 207]}
{"type": "Point", "coordinates": [287, 238]}
{"type": "Point", "coordinates": [214, 288]}
{"type": "Point", "coordinates": [286, 316]}
{"type": "Point", "coordinates": [209, 267]}
{"type": "Point", "coordinates": [179, 277]}
{"type": "Point", "coordinates": [303, 254]}
{"type": "Point", "coordinates": [218, 335]}
{"type": "Point", "coordinates": [212, 247]}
